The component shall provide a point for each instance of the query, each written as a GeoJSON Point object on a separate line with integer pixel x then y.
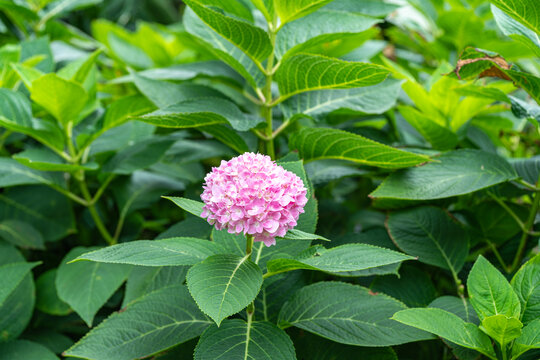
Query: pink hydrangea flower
{"type": "Point", "coordinates": [251, 194]}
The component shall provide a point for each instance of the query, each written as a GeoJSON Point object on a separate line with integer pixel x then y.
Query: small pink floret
{"type": "Point", "coordinates": [253, 195]}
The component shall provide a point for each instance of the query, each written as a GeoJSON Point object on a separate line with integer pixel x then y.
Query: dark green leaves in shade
{"type": "Point", "coordinates": [526, 284]}
{"type": "Point", "coordinates": [11, 275]}
{"type": "Point", "coordinates": [152, 323]}
{"type": "Point", "coordinates": [529, 339]}
{"type": "Point", "coordinates": [21, 234]}
{"type": "Point", "coordinates": [222, 285]}
{"type": "Point", "coordinates": [25, 350]}
{"type": "Point", "coordinates": [325, 143]}
{"type": "Point", "coordinates": [454, 173]}
{"type": "Point", "coordinates": [356, 316]}
{"type": "Point", "coordinates": [447, 326]}
{"type": "Point", "coordinates": [13, 173]}
{"type": "Point", "coordinates": [305, 72]}
{"type": "Point", "coordinates": [86, 286]}
{"type": "Point", "coordinates": [167, 252]}
{"type": "Point", "coordinates": [47, 297]}
{"type": "Point", "coordinates": [236, 339]}
{"type": "Point", "coordinates": [490, 293]}
{"type": "Point", "coordinates": [430, 234]}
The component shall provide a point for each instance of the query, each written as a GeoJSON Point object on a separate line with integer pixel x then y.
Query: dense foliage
{"type": "Point", "coordinates": [414, 127]}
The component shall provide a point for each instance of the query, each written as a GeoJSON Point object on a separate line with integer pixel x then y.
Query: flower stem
{"type": "Point", "coordinates": [249, 245]}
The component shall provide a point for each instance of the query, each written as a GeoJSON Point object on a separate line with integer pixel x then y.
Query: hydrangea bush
{"type": "Point", "coordinates": [269, 179]}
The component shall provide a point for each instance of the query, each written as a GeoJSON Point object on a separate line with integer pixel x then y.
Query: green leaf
{"type": "Point", "coordinates": [191, 206]}
{"type": "Point", "coordinates": [430, 234]}
{"type": "Point", "coordinates": [345, 258]}
{"type": "Point", "coordinates": [369, 7]}
{"type": "Point", "coordinates": [12, 173]}
{"type": "Point", "coordinates": [490, 293]}
{"type": "Point", "coordinates": [455, 173]}
{"type": "Point", "coordinates": [25, 350]}
{"type": "Point", "coordinates": [250, 39]}
{"type": "Point", "coordinates": [529, 339]}
{"type": "Point", "coordinates": [222, 285]}
{"type": "Point", "coordinates": [438, 136]}
{"type": "Point", "coordinates": [325, 143]}
{"type": "Point", "coordinates": [526, 284]}
{"type": "Point", "coordinates": [11, 275]}
{"type": "Point", "coordinates": [120, 110]}
{"type": "Point", "coordinates": [227, 136]}
{"type": "Point", "coordinates": [148, 325]}
{"type": "Point", "coordinates": [524, 11]}
{"type": "Point", "coordinates": [502, 328]}
{"type": "Point", "coordinates": [320, 27]}
{"type": "Point", "coordinates": [291, 10]}
{"type": "Point", "coordinates": [61, 98]}
{"type": "Point", "coordinates": [46, 160]}
{"type": "Point", "coordinates": [457, 306]}
{"type": "Point", "coordinates": [201, 112]}
{"type": "Point", "coordinates": [47, 299]}
{"type": "Point", "coordinates": [86, 286]}
{"type": "Point", "coordinates": [305, 72]}
{"type": "Point", "coordinates": [375, 99]}
{"type": "Point", "coordinates": [447, 326]}
{"type": "Point", "coordinates": [236, 339]}
{"type": "Point", "coordinates": [295, 234]}
{"type": "Point", "coordinates": [275, 292]}
{"type": "Point", "coordinates": [167, 252]}
{"type": "Point", "coordinates": [21, 234]}
{"type": "Point", "coordinates": [348, 314]}
{"type": "Point", "coordinates": [516, 30]}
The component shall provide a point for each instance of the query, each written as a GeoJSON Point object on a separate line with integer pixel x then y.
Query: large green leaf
{"type": "Point", "coordinates": [167, 252]}
{"type": "Point", "coordinates": [25, 350]}
{"type": "Point", "coordinates": [375, 99]}
{"type": "Point", "coordinates": [516, 31]}
{"type": "Point", "coordinates": [252, 40]}
{"type": "Point", "coordinates": [11, 275]}
{"type": "Point", "coordinates": [305, 72]}
{"type": "Point", "coordinates": [63, 99]}
{"type": "Point", "coordinates": [222, 285]}
{"type": "Point", "coordinates": [152, 323]}
{"type": "Point", "coordinates": [345, 258]}
{"type": "Point", "coordinates": [502, 328]}
{"type": "Point", "coordinates": [236, 339]}
{"type": "Point", "coordinates": [325, 143]}
{"type": "Point", "coordinates": [430, 234]}
{"type": "Point", "coordinates": [490, 293]}
{"type": "Point", "coordinates": [320, 27]}
{"type": "Point", "coordinates": [291, 10]}
{"type": "Point", "coordinates": [455, 173]}
{"type": "Point", "coordinates": [447, 326]}
{"type": "Point", "coordinates": [524, 11]}
{"type": "Point", "coordinates": [526, 284]}
{"type": "Point", "coordinates": [21, 234]}
{"type": "Point", "coordinates": [201, 112]}
{"type": "Point", "coordinates": [349, 314]}
{"type": "Point", "coordinates": [227, 136]}
{"type": "Point", "coordinates": [529, 339]}
{"type": "Point", "coordinates": [12, 173]}
{"type": "Point", "coordinates": [45, 160]}
{"type": "Point", "coordinates": [86, 286]}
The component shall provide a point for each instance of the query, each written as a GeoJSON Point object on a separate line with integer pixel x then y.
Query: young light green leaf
{"type": "Point", "coordinates": [529, 339]}
{"type": "Point", "coordinates": [152, 323]}
{"type": "Point", "coordinates": [291, 10]}
{"type": "Point", "coordinates": [326, 143]}
{"type": "Point", "coordinates": [502, 328]}
{"type": "Point", "coordinates": [21, 234]}
{"type": "Point", "coordinates": [120, 110]}
{"type": "Point", "coordinates": [166, 252]}
{"type": "Point", "coordinates": [447, 326]}
{"type": "Point", "coordinates": [236, 339]}
{"type": "Point", "coordinates": [11, 275]}
{"type": "Point", "coordinates": [490, 293]}
{"type": "Point", "coordinates": [430, 234]}
{"type": "Point", "coordinates": [526, 284]}
{"type": "Point", "coordinates": [305, 72]}
{"type": "Point", "coordinates": [344, 258]}
{"type": "Point", "coordinates": [348, 314]}
{"type": "Point", "coordinates": [86, 286]}
{"type": "Point", "coordinates": [516, 30]}
{"type": "Point", "coordinates": [455, 173]}
{"type": "Point", "coordinates": [250, 39]}
{"type": "Point", "coordinates": [24, 349]}
{"type": "Point", "coordinates": [63, 99]}
{"type": "Point", "coordinates": [524, 11]}
{"type": "Point", "coordinates": [191, 206]}
{"type": "Point", "coordinates": [222, 285]}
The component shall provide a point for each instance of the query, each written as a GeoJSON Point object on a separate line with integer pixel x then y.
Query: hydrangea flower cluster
{"type": "Point", "coordinates": [252, 194]}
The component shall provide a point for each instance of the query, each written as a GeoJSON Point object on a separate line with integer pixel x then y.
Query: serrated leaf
{"type": "Point", "coordinates": [526, 284]}
{"type": "Point", "coordinates": [167, 252]}
{"type": "Point", "coordinates": [305, 72]}
{"type": "Point", "coordinates": [454, 173]}
{"type": "Point", "coordinates": [191, 206]}
{"type": "Point", "coordinates": [291, 10]}
{"type": "Point", "coordinates": [447, 326]}
{"type": "Point", "coordinates": [326, 143]}
{"type": "Point", "coordinates": [236, 339]}
{"type": "Point", "coordinates": [529, 339]}
{"type": "Point", "coordinates": [501, 328]}
{"type": "Point", "coordinates": [150, 324]}
{"type": "Point", "coordinates": [348, 314]}
{"type": "Point", "coordinates": [430, 234]}
{"type": "Point", "coordinates": [11, 275]}
{"type": "Point", "coordinates": [524, 11]}
{"type": "Point", "coordinates": [222, 285]}
{"type": "Point", "coordinates": [86, 286]}
{"type": "Point", "coordinates": [344, 258]}
{"type": "Point", "coordinates": [201, 112]}
{"type": "Point", "coordinates": [516, 30]}
{"type": "Point", "coordinates": [490, 293]}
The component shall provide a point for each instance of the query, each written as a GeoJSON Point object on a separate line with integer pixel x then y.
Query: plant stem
{"type": "Point", "coordinates": [528, 226]}
{"type": "Point", "coordinates": [249, 245]}
{"type": "Point", "coordinates": [93, 212]}
{"type": "Point", "coordinates": [508, 210]}
{"type": "Point", "coordinates": [267, 92]}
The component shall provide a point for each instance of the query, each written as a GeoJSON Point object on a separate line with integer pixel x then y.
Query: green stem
{"type": "Point", "coordinates": [508, 210]}
{"type": "Point", "coordinates": [249, 245]}
{"type": "Point", "coordinates": [93, 212]}
{"type": "Point", "coordinates": [528, 226]}
{"type": "Point", "coordinates": [102, 188]}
